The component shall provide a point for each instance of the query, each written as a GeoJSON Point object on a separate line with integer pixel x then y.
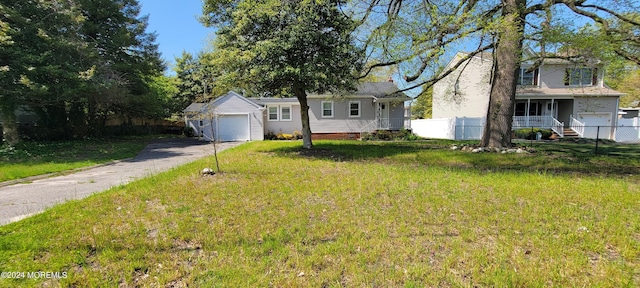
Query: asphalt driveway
{"type": "Point", "coordinates": [22, 200]}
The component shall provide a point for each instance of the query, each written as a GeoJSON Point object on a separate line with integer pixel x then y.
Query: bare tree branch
{"type": "Point", "coordinates": [428, 83]}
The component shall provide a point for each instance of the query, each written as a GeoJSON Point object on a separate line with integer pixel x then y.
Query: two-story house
{"type": "Point", "coordinates": [559, 94]}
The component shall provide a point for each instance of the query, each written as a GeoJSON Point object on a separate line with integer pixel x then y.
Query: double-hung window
{"type": "Point", "coordinates": [279, 113]}
{"type": "Point", "coordinates": [580, 76]}
{"type": "Point", "coordinates": [528, 78]}
{"type": "Point", "coordinates": [354, 109]}
{"type": "Point", "coordinates": [327, 109]}
{"type": "Point", "coordinates": [273, 113]}
{"type": "Point", "coordinates": [285, 113]}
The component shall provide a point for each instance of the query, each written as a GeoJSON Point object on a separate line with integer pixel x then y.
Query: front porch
{"type": "Point", "coordinates": [554, 114]}
{"type": "Point", "coordinates": [392, 124]}
{"type": "Point", "coordinates": [575, 128]}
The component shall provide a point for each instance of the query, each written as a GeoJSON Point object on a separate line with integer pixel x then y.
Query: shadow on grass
{"type": "Point", "coordinates": [554, 158]}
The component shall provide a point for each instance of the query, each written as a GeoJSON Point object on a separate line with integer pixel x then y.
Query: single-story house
{"type": "Point", "coordinates": [233, 117]}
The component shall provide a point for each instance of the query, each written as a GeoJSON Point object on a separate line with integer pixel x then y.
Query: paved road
{"type": "Point", "coordinates": [23, 200]}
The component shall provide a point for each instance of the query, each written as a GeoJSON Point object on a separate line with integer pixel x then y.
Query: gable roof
{"type": "Point", "coordinates": [234, 94]}
{"type": "Point", "coordinates": [194, 107]}
{"type": "Point", "coordinates": [378, 90]}
{"type": "Point", "coordinates": [274, 100]}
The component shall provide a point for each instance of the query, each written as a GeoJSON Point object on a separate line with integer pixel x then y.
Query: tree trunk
{"type": "Point", "coordinates": [9, 128]}
{"type": "Point", "coordinates": [304, 113]}
{"type": "Point", "coordinates": [506, 66]}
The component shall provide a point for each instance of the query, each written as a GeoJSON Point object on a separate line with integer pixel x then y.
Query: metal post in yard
{"type": "Point", "coordinates": [597, 138]}
{"type": "Point", "coordinates": [531, 136]}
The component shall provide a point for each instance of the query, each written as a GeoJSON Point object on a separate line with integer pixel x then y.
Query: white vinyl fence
{"type": "Point", "coordinates": [628, 130]}
{"type": "Point", "coordinates": [449, 128]}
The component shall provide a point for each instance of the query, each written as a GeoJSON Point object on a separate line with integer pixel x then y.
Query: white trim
{"type": "Point", "coordinates": [359, 109]}
{"type": "Point", "coordinates": [322, 109]}
{"type": "Point", "coordinates": [290, 113]}
{"type": "Point", "coordinates": [269, 113]}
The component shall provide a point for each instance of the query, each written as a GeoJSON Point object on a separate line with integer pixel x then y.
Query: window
{"type": "Point", "coordinates": [580, 76]}
{"type": "Point", "coordinates": [528, 78]}
{"type": "Point", "coordinates": [327, 109]}
{"type": "Point", "coordinates": [521, 109]}
{"type": "Point", "coordinates": [201, 123]}
{"type": "Point", "coordinates": [285, 113]}
{"type": "Point", "coordinates": [273, 113]}
{"type": "Point", "coordinates": [354, 108]}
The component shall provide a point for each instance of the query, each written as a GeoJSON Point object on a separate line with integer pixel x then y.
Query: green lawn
{"type": "Point", "coordinates": [360, 214]}
{"type": "Point", "coordinates": [37, 158]}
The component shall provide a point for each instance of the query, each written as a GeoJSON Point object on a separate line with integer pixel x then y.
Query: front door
{"type": "Point", "coordinates": [565, 110]}
{"type": "Point", "coordinates": [383, 115]}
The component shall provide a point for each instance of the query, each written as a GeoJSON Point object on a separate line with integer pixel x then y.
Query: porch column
{"type": "Point", "coordinates": [526, 113]}
{"type": "Point", "coordinates": [553, 116]}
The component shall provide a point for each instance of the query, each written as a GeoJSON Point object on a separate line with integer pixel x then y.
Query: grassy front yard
{"type": "Point", "coordinates": [37, 158]}
{"type": "Point", "coordinates": [348, 214]}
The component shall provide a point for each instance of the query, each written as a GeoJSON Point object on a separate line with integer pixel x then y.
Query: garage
{"type": "Point", "coordinates": [233, 128]}
{"type": "Point", "coordinates": [592, 121]}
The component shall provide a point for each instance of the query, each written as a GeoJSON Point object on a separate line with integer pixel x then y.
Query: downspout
{"type": "Point", "coordinates": [615, 120]}
{"type": "Point", "coordinates": [553, 116]}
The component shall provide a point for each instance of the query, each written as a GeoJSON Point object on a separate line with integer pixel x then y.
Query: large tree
{"type": "Point", "coordinates": [73, 62]}
{"type": "Point", "coordinates": [40, 49]}
{"type": "Point", "coordinates": [419, 36]}
{"type": "Point", "coordinates": [284, 48]}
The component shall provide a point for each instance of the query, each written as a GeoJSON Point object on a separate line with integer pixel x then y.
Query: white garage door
{"type": "Point", "coordinates": [233, 128]}
{"type": "Point", "coordinates": [592, 121]}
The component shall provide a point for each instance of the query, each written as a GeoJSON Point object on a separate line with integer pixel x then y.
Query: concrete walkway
{"type": "Point", "coordinates": [22, 200]}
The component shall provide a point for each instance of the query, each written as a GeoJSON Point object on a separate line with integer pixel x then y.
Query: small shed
{"type": "Point", "coordinates": [230, 117]}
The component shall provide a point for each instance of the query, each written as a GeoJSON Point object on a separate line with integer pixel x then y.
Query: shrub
{"type": "Point", "coordinates": [389, 135]}
{"type": "Point", "coordinates": [188, 132]}
{"type": "Point", "coordinates": [297, 135]}
{"type": "Point", "coordinates": [531, 133]}
{"type": "Point", "coordinates": [281, 136]}
{"type": "Point", "coordinates": [270, 136]}
{"type": "Point", "coordinates": [284, 136]}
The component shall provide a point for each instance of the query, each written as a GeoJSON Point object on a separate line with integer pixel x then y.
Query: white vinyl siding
{"type": "Point", "coordinates": [327, 109]}
{"type": "Point", "coordinates": [235, 118]}
{"type": "Point", "coordinates": [354, 109]}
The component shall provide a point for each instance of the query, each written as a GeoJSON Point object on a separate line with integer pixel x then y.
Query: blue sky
{"type": "Point", "coordinates": [177, 26]}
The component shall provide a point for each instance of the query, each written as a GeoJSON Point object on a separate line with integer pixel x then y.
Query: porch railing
{"type": "Point", "coordinates": [532, 121]}
{"type": "Point", "coordinates": [386, 124]}
{"type": "Point", "coordinates": [577, 126]}
{"type": "Point", "coordinates": [393, 124]}
{"type": "Point", "coordinates": [557, 127]}
{"type": "Point", "coordinates": [547, 122]}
